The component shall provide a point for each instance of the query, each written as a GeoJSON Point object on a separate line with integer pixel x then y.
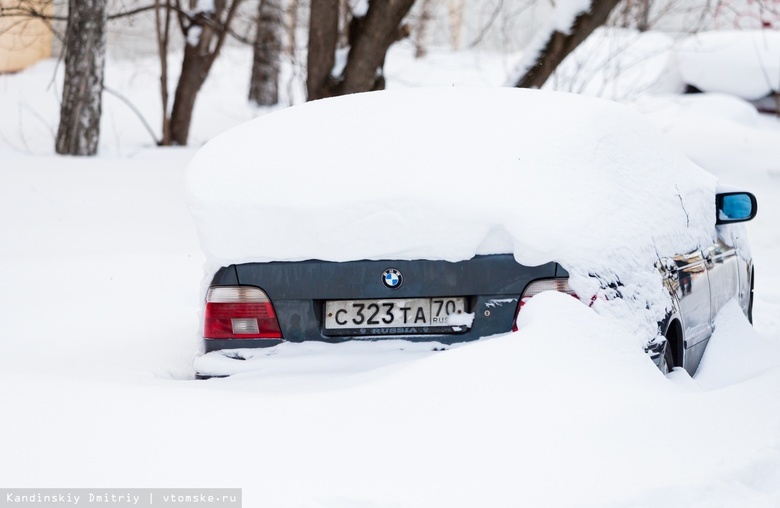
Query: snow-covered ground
{"type": "Point", "coordinates": [100, 272]}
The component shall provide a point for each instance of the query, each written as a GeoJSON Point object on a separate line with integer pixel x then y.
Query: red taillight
{"type": "Point", "coordinates": [239, 312]}
{"type": "Point", "coordinates": [536, 287]}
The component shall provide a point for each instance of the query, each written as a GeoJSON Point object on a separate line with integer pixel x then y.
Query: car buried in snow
{"type": "Point", "coordinates": [432, 215]}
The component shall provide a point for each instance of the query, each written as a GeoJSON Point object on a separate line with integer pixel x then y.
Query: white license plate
{"type": "Point", "coordinates": [424, 315]}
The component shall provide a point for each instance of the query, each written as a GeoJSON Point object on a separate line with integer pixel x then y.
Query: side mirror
{"type": "Point", "coordinates": [735, 207]}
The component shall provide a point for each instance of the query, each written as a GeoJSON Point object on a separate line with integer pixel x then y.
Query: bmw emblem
{"type": "Point", "coordinates": [392, 278]}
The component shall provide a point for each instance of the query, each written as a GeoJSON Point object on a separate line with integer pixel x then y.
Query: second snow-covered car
{"type": "Point", "coordinates": [433, 215]}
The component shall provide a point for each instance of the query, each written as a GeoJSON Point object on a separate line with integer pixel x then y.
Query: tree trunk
{"type": "Point", "coordinates": [421, 31]}
{"type": "Point", "coordinates": [370, 37]}
{"type": "Point", "coordinates": [378, 30]}
{"type": "Point", "coordinates": [560, 45]}
{"type": "Point", "coordinates": [643, 16]}
{"type": "Point", "coordinates": [264, 84]}
{"type": "Point", "coordinates": [204, 33]}
{"type": "Point", "coordinates": [194, 70]}
{"type": "Point", "coordinates": [163, 27]}
{"type": "Point", "coordinates": [456, 8]}
{"type": "Point", "coordinates": [292, 28]}
{"type": "Point", "coordinates": [323, 37]}
{"type": "Point", "coordinates": [85, 54]}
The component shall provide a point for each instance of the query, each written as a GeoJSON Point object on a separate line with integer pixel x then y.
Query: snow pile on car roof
{"type": "Point", "coordinates": [745, 63]}
{"type": "Point", "coordinates": [446, 174]}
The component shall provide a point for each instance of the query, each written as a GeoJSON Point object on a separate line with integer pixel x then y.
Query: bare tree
{"type": "Point", "coordinates": [633, 13]}
{"type": "Point", "coordinates": [421, 28]}
{"type": "Point", "coordinates": [264, 83]}
{"type": "Point", "coordinates": [456, 10]}
{"type": "Point", "coordinates": [369, 37]}
{"type": "Point", "coordinates": [205, 26]}
{"type": "Point", "coordinates": [85, 55]}
{"type": "Point", "coordinates": [559, 45]}
{"type": "Point", "coordinates": [291, 27]}
{"type": "Point", "coordinates": [162, 18]}
{"type": "Point", "coordinates": [323, 39]}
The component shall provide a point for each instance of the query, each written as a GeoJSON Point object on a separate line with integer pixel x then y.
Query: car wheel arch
{"type": "Point", "coordinates": [674, 339]}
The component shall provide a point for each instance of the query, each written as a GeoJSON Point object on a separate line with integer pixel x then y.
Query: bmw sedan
{"type": "Point", "coordinates": [434, 215]}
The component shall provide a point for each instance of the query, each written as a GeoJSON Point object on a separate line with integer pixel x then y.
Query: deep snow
{"type": "Point", "coordinates": [743, 63]}
{"type": "Point", "coordinates": [100, 271]}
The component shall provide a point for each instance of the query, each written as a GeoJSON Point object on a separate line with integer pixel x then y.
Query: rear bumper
{"type": "Point", "coordinates": [298, 290]}
{"type": "Point", "coordinates": [220, 344]}
{"type": "Point", "coordinates": [492, 315]}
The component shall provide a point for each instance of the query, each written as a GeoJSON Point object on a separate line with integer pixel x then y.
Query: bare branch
{"type": "Point", "coordinates": [559, 45]}
{"type": "Point", "coordinates": [134, 110]}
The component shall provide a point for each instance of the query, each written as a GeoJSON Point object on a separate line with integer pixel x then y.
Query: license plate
{"type": "Point", "coordinates": [394, 317]}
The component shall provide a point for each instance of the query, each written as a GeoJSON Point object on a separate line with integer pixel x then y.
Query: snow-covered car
{"type": "Point", "coordinates": [742, 63]}
{"type": "Point", "coordinates": [434, 214]}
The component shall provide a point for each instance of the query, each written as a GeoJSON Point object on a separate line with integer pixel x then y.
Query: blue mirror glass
{"type": "Point", "coordinates": [736, 207]}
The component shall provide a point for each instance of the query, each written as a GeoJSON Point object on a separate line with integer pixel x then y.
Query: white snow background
{"type": "Point", "coordinates": [100, 273]}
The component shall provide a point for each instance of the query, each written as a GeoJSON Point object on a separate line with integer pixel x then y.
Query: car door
{"type": "Point", "coordinates": [691, 287]}
{"type": "Point", "coordinates": [723, 270]}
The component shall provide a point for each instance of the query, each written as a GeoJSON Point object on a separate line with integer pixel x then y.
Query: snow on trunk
{"type": "Point", "coordinates": [571, 22]}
